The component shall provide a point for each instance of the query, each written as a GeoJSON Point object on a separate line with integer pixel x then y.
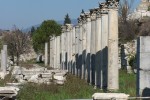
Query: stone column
{"type": "Point", "coordinates": [76, 49]}
{"type": "Point", "coordinates": [88, 41]}
{"type": "Point", "coordinates": [98, 49]}
{"type": "Point", "coordinates": [80, 48]}
{"type": "Point", "coordinates": [55, 53]}
{"type": "Point", "coordinates": [62, 41]}
{"type": "Point", "coordinates": [5, 49]}
{"type": "Point", "coordinates": [51, 52]}
{"type": "Point", "coordinates": [92, 49]}
{"type": "Point", "coordinates": [104, 44]}
{"type": "Point", "coordinates": [83, 45]}
{"type": "Point", "coordinates": [58, 52]}
{"type": "Point", "coordinates": [70, 46]}
{"type": "Point", "coordinates": [73, 51]}
{"type": "Point", "coordinates": [3, 61]}
{"type": "Point", "coordinates": [113, 71]}
{"type": "Point", "coordinates": [69, 28]}
{"type": "Point", "coordinates": [46, 54]}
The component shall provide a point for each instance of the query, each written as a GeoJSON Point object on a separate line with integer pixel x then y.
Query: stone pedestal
{"type": "Point", "coordinates": [46, 54]}
{"type": "Point", "coordinates": [113, 71]}
{"type": "Point", "coordinates": [143, 69]}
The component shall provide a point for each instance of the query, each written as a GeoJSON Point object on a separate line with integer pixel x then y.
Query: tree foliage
{"type": "Point", "coordinates": [67, 20]}
{"type": "Point", "coordinates": [32, 31]}
{"type": "Point", "coordinates": [42, 34]}
{"type": "Point", "coordinates": [18, 43]}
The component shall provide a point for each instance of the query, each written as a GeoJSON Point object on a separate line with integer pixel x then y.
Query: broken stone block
{"type": "Point", "coordinates": [110, 96]}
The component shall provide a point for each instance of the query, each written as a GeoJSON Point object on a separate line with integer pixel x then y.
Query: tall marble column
{"type": "Point", "coordinates": [51, 52]}
{"type": "Point", "coordinates": [65, 48]}
{"type": "Point", "coordinates": [62, 43]}
{"type": "Point", "coordinates": [69, 46]}
{"type": "Point", "coordinates": [113, 71]}
{"type": "Point", "coordinates": [76, 49]}
{"type": "Point", "coordinates": [54, 53]}
{"type": "Point", "coordinates": [80, 48]}
{"type": "Point", "coordinates": [4, 59]}
{"type": "Point", "coordinates": [73, 51]}
{"type": "Point", "coordinates": [92, 49]}
{"type": "Point", "coordinates": [83, 17]}
{"type": "Point", "coordinates": [98, 49]}
{"type": "Point", "coordinates": [46, 54]}
{"type": "Point", "coordinates": [104, 44]}
{"type": "Point", "coordinates": [88, 42]}
{"type": "Point", "coordinates": [58, 52]}
{"type": "Point", "coordinates": [6, 54]}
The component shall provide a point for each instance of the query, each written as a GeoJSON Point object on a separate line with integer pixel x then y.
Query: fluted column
{"type": "Point", "coordinates": [104, 44]}
{"type": "Point", "coordinates": [76, 49]}
{"type": "Point", "coordinates": [73, 51]}
{"type": "Point", "coordinates": [83, 45]}
{"type": "Point", "coordinates": [54, 53]}
{"type": "Point", "coordinates": [58, 52]}
{"type": "Point", "coordinates": [92, 49]}
{"type": "Point", "coordinates": [51, 52]}
{"type": "Point", "coordinates": [113, 70]}
{"type": "Point", "coordinates": [98, 49]}
{"type": "Point", "coordinates": [46, 54]}
{"type": "Point", "coordinates": [88, 42]}
{"type": "Point", "coordinates": [80, 48]}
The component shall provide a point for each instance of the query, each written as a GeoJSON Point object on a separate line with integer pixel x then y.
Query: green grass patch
{"type": "Point", "coordinates": [74, 88]}
{"type": "Point", "coordinates": [127, 83]}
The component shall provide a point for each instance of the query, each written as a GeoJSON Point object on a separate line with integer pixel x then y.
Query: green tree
{"type": "Point", "coordinates": [32, 31]}
{"type": "Point", "coordinates": [42, 34]}
{"type": "Point", "coordinates": [82, 11]}
{"type": "Point", "coordinates": [67, 20]}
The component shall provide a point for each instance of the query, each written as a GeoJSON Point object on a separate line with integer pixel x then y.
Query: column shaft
{"type": "Point", "coordinates": [88, 41]}
{"type": "Point", "coordinates": [98, 51]}
{"type": "Point", "coordinates": [46, 54]}
{"type": "Point", "coordinates": [113, 71]}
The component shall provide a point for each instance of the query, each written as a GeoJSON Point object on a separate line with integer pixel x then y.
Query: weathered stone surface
{"type": "Point", "coordinates": [9, 92]}
{"type": "Point", "coordinates": [143, 69]}
{"type": "Point", "coordinates": [110, 96]}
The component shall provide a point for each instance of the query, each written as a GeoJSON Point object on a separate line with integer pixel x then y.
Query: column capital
{"type": "Point", "coordinates": [113, 4]}
{"type": "Point", "coordinates": [98, 13]}
{"type": "Point", "coordinates": [83, 18]}
{"type": "Point", "coordinates": [63, 28]}
{"type": "Point", "coordinates": [93, 14]}
{"type": "Point", "coordinates": [88, 16]}
{"type": "Point", "coordinates": [79, 21]}
{"type": "Point", "coordinates": [104, 8]}
{"type": "Point", "coordinates": [69, 27]}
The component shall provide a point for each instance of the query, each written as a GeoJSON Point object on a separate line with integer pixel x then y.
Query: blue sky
{"type": "Point", "coordinates": [25, 13]}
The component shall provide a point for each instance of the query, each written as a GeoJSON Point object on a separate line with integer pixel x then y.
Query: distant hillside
{"type": "Point", "coordinates": [61, 22]}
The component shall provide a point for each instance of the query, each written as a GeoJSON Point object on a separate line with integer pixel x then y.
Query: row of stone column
{"type": "Point", "coordinates": [89, 50]}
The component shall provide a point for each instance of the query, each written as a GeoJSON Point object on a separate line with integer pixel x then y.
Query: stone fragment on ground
{"type": "Point", "coordinates": [39, 75]}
